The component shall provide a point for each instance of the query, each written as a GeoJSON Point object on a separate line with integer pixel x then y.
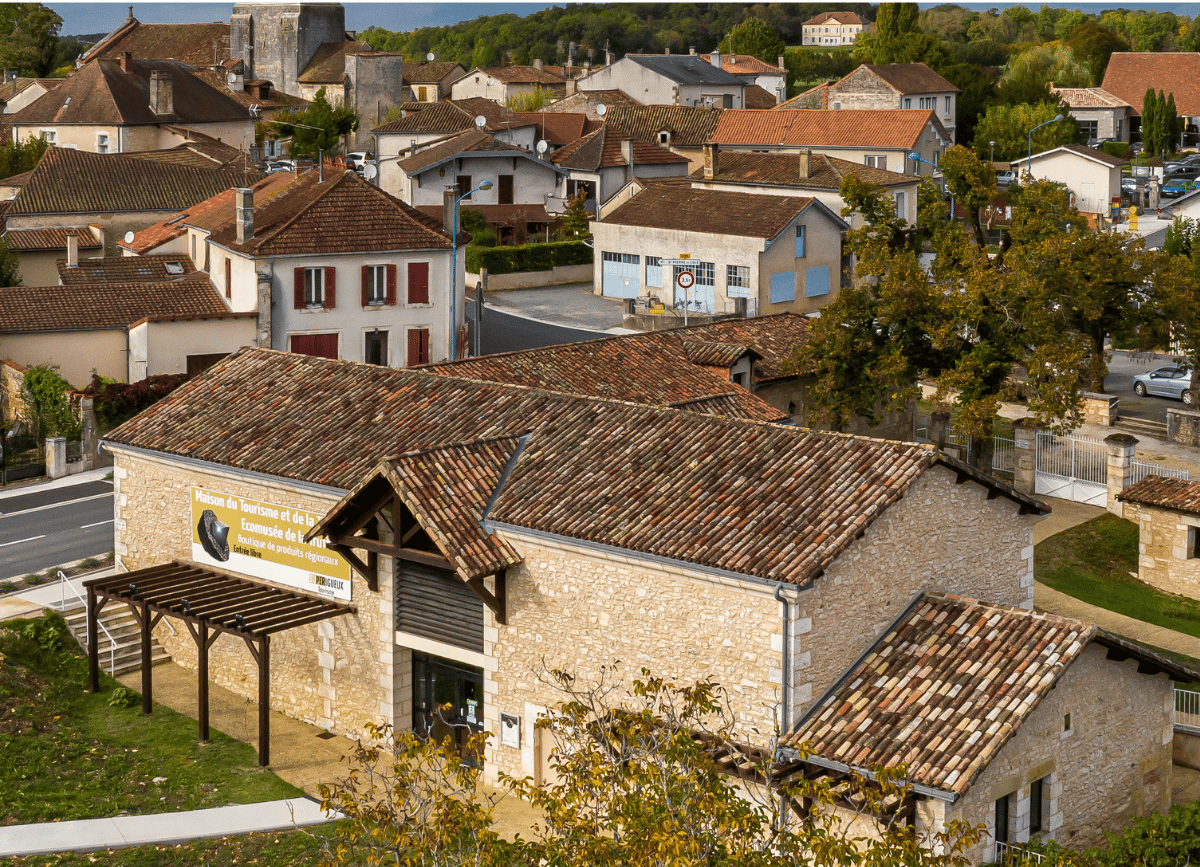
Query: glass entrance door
{"type": "Point", "coordinates": [447, 699]}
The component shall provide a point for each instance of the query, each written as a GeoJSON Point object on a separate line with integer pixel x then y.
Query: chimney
{"type": "Point", "coordinates": [448, 210]}
{"type": "Point", "coordinates": [715, 58]}
{"type": "Point", "coordinates": [692, 51]}
{"type": "Point", "coordinates": [627, 155]}
{"type": "Point", "coordinates": [711, 157]}
{"type": "Point", "coordinates": [72, 248]}
{"type": "Point", "coordinates": [537, 64]}
{"type": "Point", "coordinates": [10, 75]}
{"type": "Point", "coordinates": [780, 64]}
{"type": "Point", "coordinates": [243, 204]}
{"type": "Point", "coordinates": [126, 58]}
{"type": "Point", "coordinates": [162, 97]}
{"type": "Point", "coordinates": [805, 165]}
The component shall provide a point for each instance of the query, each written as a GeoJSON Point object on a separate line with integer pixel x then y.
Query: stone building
{"type": "Point", "coordinates": [832, 29]}
{"type": "Point", "coordinates": [1167, 512]}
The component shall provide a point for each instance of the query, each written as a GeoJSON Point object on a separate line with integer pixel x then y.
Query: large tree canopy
{"type": "Point", "coordinates": [1009, 126]}
{"type": "Point", "coordinates": [755, 37]}
{"type": "Point", "coordinates": [318, 129]}
{"type": "Point", "coordinates": [28, 38]}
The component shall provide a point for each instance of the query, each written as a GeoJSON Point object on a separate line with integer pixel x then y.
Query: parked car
{"type": "Point", "coordinates": [1003, 179]}
{"type": "Point", "coordinates": [280, 166]}
{"type": "Point", "coordinates": [1129, 185]}
{"type": "Point", "coordinates": [1173, 189]}
{"type": "Point", "coordinates": [358, 159]}
{"type": "Point", "coordinates": [1174, 381]}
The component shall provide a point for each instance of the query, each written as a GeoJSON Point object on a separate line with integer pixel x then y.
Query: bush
{"type": "Point", "coordinates": [123, 696]}
{"type": "Point", "coordinates": [7, 586]}
{"type": "Point", "coordinates": [45, 391]}
{"type": "Point", "coordinates": [35, 579]}
{"type": "Point", "coordinates": [1117, 149]}
{"type": "Point", "coordinates": [116, 402]}
{"type": "Point", "coordinates": [528, 257]}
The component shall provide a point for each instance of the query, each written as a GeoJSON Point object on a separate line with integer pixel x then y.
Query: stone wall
{"type": "Point", "coordinates": [12, 403]}
{"type": "Point", "coordinates": [577, 611]}
{"type": "Point", "coordinates": [1112, 765]}
{"type": "Point", "coordinates": [1100, 409]}
{"type": "Point", "coordinates": [863, 89]}
{"type": "Point", "coordinates": [791, 396]}
{"type": "Point", "coordinates": [339, 674]}
{"type": "Point", "coordinates": [1183, 427]}
{"type": "Point", "coordinates": [1165, 559]}
{"type": "Point", "coordinates": [557, 276]}
{"type": "Point", "coordinates": [941, 536]}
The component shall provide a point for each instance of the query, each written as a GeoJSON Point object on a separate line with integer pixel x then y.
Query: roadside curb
{"type": "Point", "coordinates": [97, 475]}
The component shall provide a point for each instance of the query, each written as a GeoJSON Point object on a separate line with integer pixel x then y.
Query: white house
{"type": "Point", "coordinates": [831, 28]}
{"type": "Point", "coordinates": [598, 165]}
{"type": "Point", "coordinates": [748, 253]}
{"type": "Point", "coordinates": [670, 79]}
{"type": "Point", "coordinates": [508, 82]}
{"type": "Point", "coordinates": [1092, 176]}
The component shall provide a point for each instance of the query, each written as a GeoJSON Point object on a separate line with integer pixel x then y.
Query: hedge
{"type": "Point", "coordinates": [528, 257]}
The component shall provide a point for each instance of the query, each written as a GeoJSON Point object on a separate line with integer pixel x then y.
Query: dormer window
{"type": "Point", "coordinates": [173, 267]}
{"type": "Point", "coordinates": [664, 137]}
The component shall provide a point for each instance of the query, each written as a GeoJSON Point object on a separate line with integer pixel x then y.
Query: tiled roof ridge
{"type": "Point", "coordinates": [441, 447]}
{"type": "Point", "coordinates": [300, 212]}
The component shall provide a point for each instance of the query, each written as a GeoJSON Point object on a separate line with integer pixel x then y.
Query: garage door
{"type": "Point", "coordinates": [620, 277]}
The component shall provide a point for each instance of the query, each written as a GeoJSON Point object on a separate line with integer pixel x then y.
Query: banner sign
{"type": "Point", "coordinates": [264, 540]}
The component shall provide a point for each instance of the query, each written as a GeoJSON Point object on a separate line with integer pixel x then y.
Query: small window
{"type": "Point", "coordinates": [418, 346]}
{"type": "Point", "coordinates": [801, 241]}
{"type": "Point", "coordinates": [737, 281]}
{"type": "Point", "coordinates": [783, 287]}
{"type": "Point", "coordinates": [901, 206]}
{"type": "Point", "coordinates": [1193, 543]}
{"type": "Point", "coordinates": [375, 348]}
{"type": "Point", "coordinates": [464, 186]}
{"type": "Point", "coordinates": [1035, 806]}
{"type": "Point", "coordinates": [228, 277]}
{"type": "Point", "coordinates": [908, 102]}
{"type": "Point", "coordinates": [664, 137]}
{"type": "Point", "coordinates": [422, 94]}
{"type": "Point", "coordinates": [816, 281]}
{"type": "Point", "coordinates": [1066, 724]}
{"type": "Point", "coordinates": [49, 136]}
{"type": "Point", "coordinates": [1001, 829]}
{"type": "Point", "coordinates": [947, 105]}
{"type": "Point", "coordinates": [173, 267]}
{"type": "Point", "coordinates": [706, 274]}
{"type": "Point", "coordinates": [837, 105]}
{"type": "Point", "coordinates": [376, 285]}
{"type": "Point", "coordinates": [418, 282]}
{"type": "Point", "coordinates": [314, 286]}
{"type": "Point", "coordinates": [101, 142]}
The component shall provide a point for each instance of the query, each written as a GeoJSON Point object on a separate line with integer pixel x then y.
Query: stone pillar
{"type": "Point", "coordinates": [89, 442]}
{"type": "Point", "coordinates": [939, 429]}
{"type": "Point", "coordinates": [1025, 455]}
{"type": "Point", "coordinates": [1120, 467]}
{"type": "Point", "coordinates": [56, 457]}
{"type": "Point", "coordinates": [263, 326]}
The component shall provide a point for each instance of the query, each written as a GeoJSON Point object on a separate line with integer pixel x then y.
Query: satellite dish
{"type": "Point", "coordinates": [543, 146]}
{"type": "Point", "coordinates": [231, 78]}
{"type": "Point", "coordinates": [429, 56]}
{"type": "Point", "coordinates": [369, 171]}
{"type": "Point", "coordinates": [129, 237]}
{"type": "Point", "coordinates": [601, 110]}
{"type": "Point", "coordinates": [481, 121]}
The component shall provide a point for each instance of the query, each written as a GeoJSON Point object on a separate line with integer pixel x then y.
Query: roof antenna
{"type": "Point", "coordinates": [320, 166]}
{"type": "Point", "coordinates": [130, 11]}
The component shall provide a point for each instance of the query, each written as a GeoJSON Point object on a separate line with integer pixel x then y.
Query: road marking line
{"type": "Point", "coordinates": [54, 505]}
{"type": "Point", "coordinates": [97, 524]}
{"type": "Point", "coordinates": [19, 541]}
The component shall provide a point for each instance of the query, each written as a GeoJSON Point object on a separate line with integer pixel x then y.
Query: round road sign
{"type": "Point", "coordinates": [686, 279]}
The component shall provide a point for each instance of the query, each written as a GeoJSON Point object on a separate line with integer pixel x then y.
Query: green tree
{"type": "Point", "coordinates": [1042, 64]}
{"type": "Point", "coordinates": [575, 219]}
{"type": "Point", "coordinates": [29, 34]}
{"type": "Point", "coordinates": [10, 273]}
{"type": "Point", "coordinates": [45, 394]}
{"type": "Point", "coordinates": [1093, 45]}
{"type": "Point", "coordinates": [1161, 124]}
{"type": "Point", "coordinates": [534, 100]}
{"type": "Point", "coordinates": [317, 129]}
{"type": "Point", "coordinates": [18, 157]}
{"type": "Point", "coordinates": [976, 91]}
{"type": "Point", "coordinates": [755, 37]}
{"type": "Point", "coordinates": [1009, 127]}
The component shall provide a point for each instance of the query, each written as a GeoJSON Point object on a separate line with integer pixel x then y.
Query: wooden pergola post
{"type": "Point", "coordinates": [93, 643]}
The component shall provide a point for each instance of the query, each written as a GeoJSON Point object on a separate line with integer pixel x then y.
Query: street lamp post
{"type": "Point", "coordinates": [991, 151]}
{"type": "Point", "coordinates": [1029, 148]}
{"type": "Point", "coordinates": [486, 185]}
{"type": "Point", "coordinates": [917, 158]}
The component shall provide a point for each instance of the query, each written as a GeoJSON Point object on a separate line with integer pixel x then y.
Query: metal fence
{"type": "Point", "coordinates": [1187, 709]}
{"type": "Point", "coordinates": [21, 457]}
{"type": "Point", "coordinates": [1008, 854]}
{"type": "Point", "coordinates": [1141, 469]}
{"type": "Point", "coordinates": [1004, 454]}
{"type": "Point", "coordinates": [958, 444]}
{"type": "Point", "coordinates": [74, 451]}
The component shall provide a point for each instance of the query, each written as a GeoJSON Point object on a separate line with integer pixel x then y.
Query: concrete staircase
{"type": "Point", "coordinates": [1142, 427]}
{"type": "Point", "coordinates": [121, 654]}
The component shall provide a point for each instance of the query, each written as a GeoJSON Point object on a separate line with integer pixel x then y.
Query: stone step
{"type": "Point", "coordinates": [123, 653]}
{"type": "Point", "coordinates": [1142, 426]}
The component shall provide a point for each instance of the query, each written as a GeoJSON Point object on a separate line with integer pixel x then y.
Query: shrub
{"type": "Point", "coordinates": [45, 391]}
{"type": "Point", "coordinates": [123, 696]}
{"type": "Point", "coordinates": [90, 563]}
{"type": "Point", "coordinates": [35, 579]}
{"type": "Point", "coordinates": [7, 586]}
{"type": "Point", "coordinates": [528, 257]}
{"type": "Point", "coordinates": [1117, 149]}
{"type": "Point", "coordinates": [116, 402]}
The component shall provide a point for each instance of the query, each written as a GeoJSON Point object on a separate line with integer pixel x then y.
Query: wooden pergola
{"type": "Point", "coordinates": [209, 603]}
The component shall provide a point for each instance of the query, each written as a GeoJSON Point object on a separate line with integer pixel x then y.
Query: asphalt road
{"type": "Point", "coordinates": [1121, 371]}
{"type": "Point", "coordinates": [505, 333]}
{"type": "Point", "coordinates": [42, 529]}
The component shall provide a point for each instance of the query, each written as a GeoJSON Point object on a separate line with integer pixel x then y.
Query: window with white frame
{"type": "Point", "coordinates": [664, 137]}
{"type": "Point", "coordinates": [654, 272]}
{"type": "Point", "coordinates": [908, 102]}
{"type": "Point", "coordinates": [737, 281]}
{"type": "Point", "coordinates": [948, 104]}
{"type": "Point", "coordinates": [878, 161]}
{"type": "Point", "coordinates": [706, 274]}
{"type": "Point", "coordinates": [50, 136]}
{"type": "Point", "coordinates": [314, 287]}
{"type": "Point", "coordinates": [101, 142]}
{"type": "Point", "coordinates": [376, 284]}
{"type": "Point", "coordinates": [927, 102]}
{"type": "Point", "coordinates": [901, 205]}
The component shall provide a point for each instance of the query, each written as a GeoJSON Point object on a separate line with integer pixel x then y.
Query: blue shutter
{"type": "Point", "coordinates": [783, 287]}
{"type": "Point", "coordinates": [816, 281]}
{"type": "Point", "coordinates": [800, 245]}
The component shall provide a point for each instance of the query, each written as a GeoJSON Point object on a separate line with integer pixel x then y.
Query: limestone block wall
{"type": "Point", "coordinates": [12, 403]}
{"type": "Point", "coordinates": [1110, 766]}
{"type": "Point", "coordinates": [863, 89]}
{"type": "Point", "coordinates": [1100, 409]}
{"type": "Point", "coordinates": [1164, 559]}
{"type": "Point", "coordinates": [340, 674]}
{"type": "Point", "coordinates": [941, 536]}
{"type": "Point", "coordinates": [578, 611]}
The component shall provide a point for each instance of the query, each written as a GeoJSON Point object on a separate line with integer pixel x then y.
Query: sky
{"type": "Point", "coordinates": [84, 18]}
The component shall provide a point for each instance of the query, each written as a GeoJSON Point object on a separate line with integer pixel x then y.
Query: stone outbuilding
{"type": "Point", "coordinates": [1167, 512]}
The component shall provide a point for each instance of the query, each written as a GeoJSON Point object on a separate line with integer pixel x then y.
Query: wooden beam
{"type": "Point", "coordinates": [379, 504]}
{"type": "Point", "coordinates": [93, 645]}
{"type": "Point", "coordinates": [487, 596]}
{"type": "Point", "coordinates": [264, 702]}
{"type": "Point", "coordinates": [369, 570]}
{"type": "Point", "coordinates": [202, 678]}
{"type": "Point", "coordinates": [147, 680]}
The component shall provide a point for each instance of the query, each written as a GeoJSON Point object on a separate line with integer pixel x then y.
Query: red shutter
{"type": "Point", "coordinates": [330, 288]}
{"type": "Point", "coordinates": [298, 300]}
{"type": "Point", "coordinates": [418, 346]}
{"type": "Point", "coordinates": [320, 345]}
{"type": "Point", "coordinates": [228, 278]}
{"type": "Point", "coordinates": [366, 285]}
{"type": "Point", "coordinates": [391, 285]}
{"type": "Point", "coordinates": [418, 282]}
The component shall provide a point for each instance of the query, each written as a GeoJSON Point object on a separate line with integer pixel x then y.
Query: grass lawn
{"type": "Point", "coordinates": [69, 754]}
{"type": "Point", "coordinates": [295, 849]}
{"type": "Point", "coordinates": [1093, 562]}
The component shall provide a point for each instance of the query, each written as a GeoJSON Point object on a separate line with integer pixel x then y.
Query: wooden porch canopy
{"type": "Point", "coordinates": [209, 603]}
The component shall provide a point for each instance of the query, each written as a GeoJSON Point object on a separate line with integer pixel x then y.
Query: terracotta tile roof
{"type": "Point", "coordinates": [686, 69]}
{"type": "Point", "coordinates": [881, 128]}
{"type": "Point", "coordinates": [757, 97]}
{"type": "Point", "coordinates": [496, 215]}
{"type": "Point", "coordinates": [556, 128]}
{"type": "Point", "coordinates": [783, 170]}
{"type": "Point", "coordinates": [707, 353]}
{"type": "Point", "coordinates": [199, 150]}
{"type": "Point", "coordinates": [947, 686]}
{"type": "Point", "coordinates": [17, 180]}
{"type": "Point", "coordinates": [100, 93]}
{"type": "Point", "coordinates": [1093, 154]}
{"type": "Point", "coordinates": [1178, 494]}
{"type": "Point", "coordinates": [469, 142]}
{"type": "Point", "coordinates": [745, 64]}
{"type": "Point", "coordinates": [328, 64]}
{"type": "Point", "coordinates": [715, 212]}
{"type": "Point", "coordinates": [521, 75]}
{"type": "Point", "coordinates": [756, 499]}
{"type": "Point", "coordinates": [1131, 73]}
{"type": "Point", "coordinates": [689, 126]}
{"type": "Point", "coordinates": [276, 99]}
{"type": "Point", "coordinates": [1088, 97]}
{"type": "Point", "coordinates": [194, 44]}
{"type": "Point", "coordinates": [343, 214]}
{"type": "Point", "coordinates": [68, 181]}
{"type": "Point", "coordinates": [910, 77]}
{"type": "Point", "coordinates": [447, 489]}
{"type": "Point", "coordinates": [814, 97]}
{"type": "Point", "coordinates": [603, 149]}
{"type": "Point", "coordinates": [836, 17]}
{"type": "Point", "coordinates": [429, 71]}
{"type": "Point", "coordinates": [437, 117]}
{"type": "Point", "coordinates": [86, 307]}
{"type": "Point", "coordinates": [126, 269]}
{"type": "Point", "coordinates": [52, 238]}
{"type": "Point", "coordinates": [587, 101]}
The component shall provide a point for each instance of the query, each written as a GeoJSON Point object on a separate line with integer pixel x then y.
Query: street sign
{"type": "Point", "coordinates": [681, 263]}
{"type": "Point", "coordinates": [686, 279]}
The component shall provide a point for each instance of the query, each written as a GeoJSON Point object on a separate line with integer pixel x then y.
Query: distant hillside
{"type": "Point", "coordinates": [495, 40]}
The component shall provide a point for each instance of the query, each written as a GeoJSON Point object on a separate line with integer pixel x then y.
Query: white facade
{"type": "Point", "coordinates": [652, 88]}
{"type": "Point", "coordinates": [531, 181]}
{"type": "Point", "coordinates": [1093, 183]}
{"type": "Point", "coordinates": [903, 196]}
{"type": "Point", "coordinates": [158, 347]}
{"type": "Point", "coordinates": [119, 138]}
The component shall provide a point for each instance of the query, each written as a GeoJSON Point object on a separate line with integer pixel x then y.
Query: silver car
{"type": "Point", "coordinates": [1174, 381]}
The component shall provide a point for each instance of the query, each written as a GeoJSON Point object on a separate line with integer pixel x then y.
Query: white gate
{"type": "Point", "coordinates": [620, 275]}
{"type": "Point", "coordinates": [1072, 468]}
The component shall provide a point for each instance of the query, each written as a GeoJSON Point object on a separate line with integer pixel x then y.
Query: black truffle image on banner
{"type": "Point", "coordinates": [214, 536]}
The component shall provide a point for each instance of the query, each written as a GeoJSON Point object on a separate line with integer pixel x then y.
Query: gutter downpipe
{"type": "Point", "coordinates": [785, 679]}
